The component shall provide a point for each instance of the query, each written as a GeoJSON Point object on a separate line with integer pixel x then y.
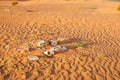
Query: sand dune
{"type": "Point", "coordinates": [95, 22]}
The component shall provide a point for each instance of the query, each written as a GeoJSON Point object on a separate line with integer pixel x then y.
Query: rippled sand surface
{"type": "Point", "coordinates": [95, 22]}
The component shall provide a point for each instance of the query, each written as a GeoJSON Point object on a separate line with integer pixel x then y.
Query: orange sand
{"type": "Point", "coordinates": [96, 22]}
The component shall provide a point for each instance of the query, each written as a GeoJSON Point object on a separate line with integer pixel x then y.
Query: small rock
{"type": "Point", "coordinates": [33, 57]}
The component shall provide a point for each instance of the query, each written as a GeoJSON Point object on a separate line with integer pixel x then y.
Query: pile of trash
{"type": "Point", "coordinates": [49, 48]}
{"type": "Point", "coordinates": [54, 47]}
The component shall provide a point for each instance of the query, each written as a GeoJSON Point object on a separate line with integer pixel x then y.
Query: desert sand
{"type": "Point", "coordinates": [95, 22]}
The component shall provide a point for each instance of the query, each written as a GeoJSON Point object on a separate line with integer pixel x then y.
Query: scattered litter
{"type": "Point", "coordinates": [52, 51]}
{"type": "Point", "coordinates": [49, 48]}
{"type": "Point", "coordinates": [64, 48]}
{"type": "Point", "coordinates": [59, 48]}
{"type": "Point", "coordinates": [53, 43]}
{"type": "Point", "coordinates": [41, 43]}
{"type": "Point", "coordinates": [49, 53]}
{"type": "Point", "coordinates": [31, 57]}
